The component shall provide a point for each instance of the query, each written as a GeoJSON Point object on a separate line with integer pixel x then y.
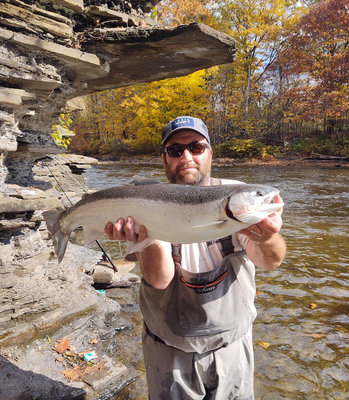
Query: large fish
{"type": "Point", "coordinates": [170, 212]}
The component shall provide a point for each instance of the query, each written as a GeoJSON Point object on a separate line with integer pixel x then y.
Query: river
{"type": "Point", "coordinates": [301, 334]}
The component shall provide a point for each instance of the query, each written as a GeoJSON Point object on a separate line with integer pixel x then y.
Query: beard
{"type": "Point", "coordinates": [199, 176]}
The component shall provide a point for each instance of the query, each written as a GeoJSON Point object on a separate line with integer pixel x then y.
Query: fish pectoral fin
{"type": "Point", "coordinates": [215, 224]}
{"type": "Point", "coordinates": [140, 246]}
{"type": "Point", "coordinates": [91, 234]}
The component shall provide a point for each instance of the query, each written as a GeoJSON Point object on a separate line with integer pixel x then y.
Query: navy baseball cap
{"type": "Point", "coordinates": [185, 123]}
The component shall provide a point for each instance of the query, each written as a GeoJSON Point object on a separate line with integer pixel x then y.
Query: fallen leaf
{"type": "Point", "coordinates": [317, 335]}
{"type": "Point", "coordinates": [312, 305]}
{"type": "Point", "coordinates": [258, 293]}
{"type": "Point", "coordinates": [63, 345]}
{"type": "Point", "coordinates": [265, 345]}
{"type": "Point", "coordinates": [93, 341]}
{"type": "Point", "coordinates": [74, 374]}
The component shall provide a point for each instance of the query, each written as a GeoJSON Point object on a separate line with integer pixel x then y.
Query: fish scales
{"type": "Point", "coordinates": [181, 194]}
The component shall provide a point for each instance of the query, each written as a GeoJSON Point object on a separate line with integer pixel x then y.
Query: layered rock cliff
{"type": "Point", "coordinates": [51, 53]}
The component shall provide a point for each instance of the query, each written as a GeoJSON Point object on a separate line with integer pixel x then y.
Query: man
{"type": "Point", "coordinates": [197, 300]}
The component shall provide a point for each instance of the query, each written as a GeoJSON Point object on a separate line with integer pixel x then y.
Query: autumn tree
{"type": "Point", "coordinates": [319, 55]}
{"type": "Point", "coordinates": [132, 117]}
{"type": "Point", "coordinates": [260, 28]}
{"type": "Point", "coordinates": [176, 12]}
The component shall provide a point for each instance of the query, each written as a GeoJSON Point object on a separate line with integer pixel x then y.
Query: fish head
{"type": "Point", "coordinates": [252, 204]}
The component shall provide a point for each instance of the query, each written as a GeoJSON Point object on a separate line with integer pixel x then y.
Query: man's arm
{"type": "Point", "coordinates": [155, 261]}
{"type": "Point", "coordinates": [266, 248]}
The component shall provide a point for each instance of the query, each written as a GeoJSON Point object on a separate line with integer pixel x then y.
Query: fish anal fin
{"type": "Point", "coordinates": [140, 246]}
{"type": "Point", "coordinates": [91, 234]}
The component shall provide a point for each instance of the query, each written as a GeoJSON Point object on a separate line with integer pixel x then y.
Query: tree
{"type": "Point", "coordinates": [260, 28]}
{"type": "Point", "coordinates": [319, 55]}
{"type": "Point", "coordinates": [176, 12]}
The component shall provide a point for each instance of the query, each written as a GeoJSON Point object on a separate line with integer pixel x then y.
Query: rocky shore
{"type": "Point", "coordinates": [56, 320]}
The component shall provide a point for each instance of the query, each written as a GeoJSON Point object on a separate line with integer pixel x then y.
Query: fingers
{"type": "Point", "coordinates": [278, 199]}
{"type": "Point", "coordinates": [115, 232]}
{"type": "Point", "coordinates": [122, 230]}
{"type": "Point", "coordinates": [130, 233]}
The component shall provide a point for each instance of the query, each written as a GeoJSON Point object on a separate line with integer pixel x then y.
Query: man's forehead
{"type": "Point", "coordinates": [184, 137]}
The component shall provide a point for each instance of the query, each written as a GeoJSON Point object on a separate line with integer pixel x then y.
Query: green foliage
{"type": "Point", "coordinates": [319, 145]}
{"type": "Point", "coordinates": [240, 148]}
{"type": "Point", "coordinates": [64, 128]}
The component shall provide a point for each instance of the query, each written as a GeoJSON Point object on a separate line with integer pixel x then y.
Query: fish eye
{"type": "Point", "coordinates": [259, 193]}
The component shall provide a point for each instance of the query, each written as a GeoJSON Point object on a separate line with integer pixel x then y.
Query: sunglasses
{"type": "Point", "coordinates": [195, 149]}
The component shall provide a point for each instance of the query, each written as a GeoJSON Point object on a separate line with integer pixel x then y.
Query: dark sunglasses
{"type": "Point", "coordinates": [195, 149]}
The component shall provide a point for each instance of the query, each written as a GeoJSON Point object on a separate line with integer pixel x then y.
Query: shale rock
{"type": "Point", "coordinates": [50, 54]}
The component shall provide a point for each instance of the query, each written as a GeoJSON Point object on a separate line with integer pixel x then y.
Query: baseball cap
{"type": "Point", "coordinates": [184, 123]}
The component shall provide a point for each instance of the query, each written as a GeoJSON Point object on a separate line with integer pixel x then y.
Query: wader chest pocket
{"type": "Point", "coordinates": [207, 303]}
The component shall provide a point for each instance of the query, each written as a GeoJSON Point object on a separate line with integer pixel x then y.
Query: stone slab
{"type": "Point", "coordinates": [10, 204]}
{"type": "Point", "coordinates": [75, 5]}
{"type": "Point", "coordinates": [145, 55]}
{"type": "Point", "coordinates": [83, 66]}
{"type": "Point", "coordinates": [106, 13]}
{"type": "Point", "coordinates": [34, 22]}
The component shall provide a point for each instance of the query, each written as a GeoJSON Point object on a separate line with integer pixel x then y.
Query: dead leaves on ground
{"type": "Point", "coordinates": [80, 367]}
{"type": "Point", "coordinates": [76, 373]}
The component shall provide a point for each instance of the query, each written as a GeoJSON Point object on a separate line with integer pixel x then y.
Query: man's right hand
{"type": "Point", "coordinates": [125, 231]}
{"type": "Point", "coordinates": [156, 262]}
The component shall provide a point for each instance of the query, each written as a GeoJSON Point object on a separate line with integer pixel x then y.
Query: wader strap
{"type": "Point", "coordinates": [176, 252]}
{"type": "Point", "coordinates": [227, 245]}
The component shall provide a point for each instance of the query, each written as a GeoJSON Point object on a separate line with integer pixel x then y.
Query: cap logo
{"type": "Point", "coordinates": [185, 122]}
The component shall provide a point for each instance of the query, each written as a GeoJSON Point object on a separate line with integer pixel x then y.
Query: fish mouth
{"type": "Point", "coordinates": [256, 211]}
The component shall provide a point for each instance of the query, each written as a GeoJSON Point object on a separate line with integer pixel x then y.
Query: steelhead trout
{"type": "Point", "coordinates": [172, 213]}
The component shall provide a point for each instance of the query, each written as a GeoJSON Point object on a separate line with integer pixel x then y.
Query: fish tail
{"type": "Point", "coordinates": [59, 238]}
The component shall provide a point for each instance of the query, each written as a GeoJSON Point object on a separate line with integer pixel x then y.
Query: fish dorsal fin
{"type": "Point", "coordinates": [144, 180]}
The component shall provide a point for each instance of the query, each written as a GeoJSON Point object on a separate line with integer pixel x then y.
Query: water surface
{"type": "Point", "coordinates": [301, 334]}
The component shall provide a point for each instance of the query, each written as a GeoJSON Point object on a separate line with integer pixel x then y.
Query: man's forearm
{"type": "Point", "coordinates": [267, 253]}
{"type": "Point", "coordinates": [156, 265]}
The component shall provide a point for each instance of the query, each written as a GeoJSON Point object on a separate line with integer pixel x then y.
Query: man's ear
{"type": "Point", "coordinates": [163, 155]}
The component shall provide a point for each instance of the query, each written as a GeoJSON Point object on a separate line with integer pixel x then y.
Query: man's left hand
{"type": "Point", "coordinates": [266, 228]}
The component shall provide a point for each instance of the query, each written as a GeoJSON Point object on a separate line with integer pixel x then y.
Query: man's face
{"type": "Point", "coordinates": [188, 169]}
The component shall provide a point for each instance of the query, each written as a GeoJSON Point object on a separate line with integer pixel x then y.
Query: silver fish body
{"type": "Point", "coordinates": [172, 213]}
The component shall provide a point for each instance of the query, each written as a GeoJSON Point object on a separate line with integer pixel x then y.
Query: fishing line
{"type": "Point", "coordinates": [63, 191]}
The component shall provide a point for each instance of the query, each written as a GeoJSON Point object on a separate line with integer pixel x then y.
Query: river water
{"type": "Point", "coordinates": [301, 334]}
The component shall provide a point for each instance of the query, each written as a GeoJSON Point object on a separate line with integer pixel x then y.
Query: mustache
{"type": "Point", "coordinates": [187, 165]}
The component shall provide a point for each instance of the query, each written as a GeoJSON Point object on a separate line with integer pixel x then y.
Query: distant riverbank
{"type": "Point", "coordinates": [267, 161]}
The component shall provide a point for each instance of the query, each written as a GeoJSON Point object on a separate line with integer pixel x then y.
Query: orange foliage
{"type": "Point", "coordinates": [319, 55]}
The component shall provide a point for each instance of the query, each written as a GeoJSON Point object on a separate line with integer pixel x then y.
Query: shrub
{"type": "Point", "coordinates": [243, 148]}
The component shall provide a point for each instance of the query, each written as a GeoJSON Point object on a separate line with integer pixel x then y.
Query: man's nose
{"type": "Point", "coordinates": [187, 155]}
